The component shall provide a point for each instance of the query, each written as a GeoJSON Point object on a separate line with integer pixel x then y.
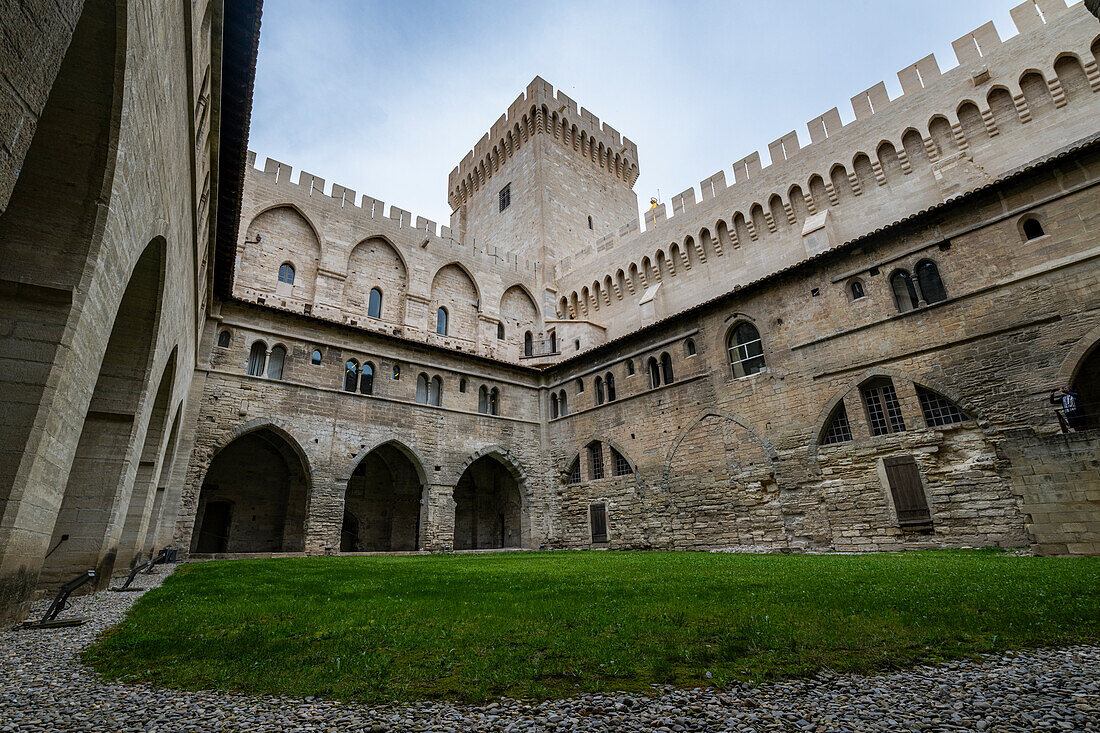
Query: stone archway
{"type": "Point", "coordinates": [382, 503]}
{"type": "Point", "coordinates": [488, 506]}
{"type": "Point", "coordinates": [89, 523]}
{"type": "Point", "coordinates": [254, 497]}
{"type": "Point", "coordinates": [1086, 382]}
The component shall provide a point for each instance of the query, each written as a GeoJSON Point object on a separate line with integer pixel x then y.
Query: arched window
{"type": "Point", "coordinates": [494, 401]}
{"type": "Point", "coordinates": [441, 321]}
{"type": "Point", "coordinates": [746, 350]}
{"type": "Point", "coordinates": [275, 363]}
{"type": "Point", "coordinates": [435, 391]}
{"type": "Point", "coordinates": [223, 339]}
{"type": "Point", "coordinates": [483, 400]}
{"type": "Point", "coordinates": [580, 385]}
{"type": "Point", "coordinates": [573, 474]}
{"type": "Point", "coordinates": [654, 373]}
{"type": "Point", "coordinates": [931, 286]}
{"type": "Point", "coordinates": [630, 367]}
{"type": "Point", "coordinates": [500, 331]}
{"type": "Point", "coordinates": [257, 359]}
{"type": "Point", "coordinates": [396, 371]}
{"type": "Point", "coordinates": [374, 303]}
{"type": "Point", "coordinates": [286, 273]}
{"type": "Point", "coordinates": [666, 368]}
{"type": "Point", "coordinates": [563, 403]}
{"type": "Point", "coordinates": [315, 357]}
{"type": "Point", "coordinates": [462, 385]}
{"type": "Point", "coordinates": [837, 429]}
{"type": "Point", "coordinates": [619, 463]}
{"type": "Point", "coordinates": [599, 390]}
{"type": "Point", "coordinates": [422, 389]}
{"type": "Point", "coordinates": [528, 344]}
{"type": "Point", "coordinates": [905, 294]}
{"type": "Point", "coordinates": [1033, 229]}
{"type": "Point", "coordinates": [366, 381]}
{"type": "Point", "coordinates": [553, 405]}
{"type": "Point", "coordinates": [938, 410]}
{"type": "Point", "coordinates": [880, 401]}
{"type": "Point", "coordinates": [577, 344]}
{"type": "Point", "coordinates": [351, 375]}
{"type": "Point", "coordinates": [857, 290]}
{"type": "Point", "coordinates": [689, 348]}
{"type": "Point", "coordinates": [609, 382]}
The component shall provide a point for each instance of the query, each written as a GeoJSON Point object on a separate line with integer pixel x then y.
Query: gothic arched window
{"type": "Point", "coordinates": [366, 381]}
{"type": "Point", "coordinates": [441, 321]}
{"type": "Point", "coordinates": [286, 273]}
{"type": "Point", "coordinates": [905, 293]}
{"type": "Point", "coordinates": [931, 286]}
{"type": "Point", "coordinates": [257, 359]}
{"type": "Point", "coordinates": [351, 375]}
{"type": "Point", "coordinates": [746, 350]}
{"type": "Point", "coordinates": [374, 303]}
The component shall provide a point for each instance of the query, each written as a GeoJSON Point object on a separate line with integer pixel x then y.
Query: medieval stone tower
{"type": "Point", "coordinates": [546, 196]}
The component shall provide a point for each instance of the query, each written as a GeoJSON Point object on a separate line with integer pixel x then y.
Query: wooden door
{"type": "Point", "coordinates": [908, 492]}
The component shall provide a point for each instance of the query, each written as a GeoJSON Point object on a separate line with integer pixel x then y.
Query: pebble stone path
{"type": "Point", "coordinates": [44, 688]}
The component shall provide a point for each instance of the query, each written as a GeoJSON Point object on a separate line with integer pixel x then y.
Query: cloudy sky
{"type": "Point", "coordinates": [387, 97]}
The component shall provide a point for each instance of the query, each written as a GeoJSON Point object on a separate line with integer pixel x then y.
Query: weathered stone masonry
{"type": "Point", "coordinates": [850, 348]}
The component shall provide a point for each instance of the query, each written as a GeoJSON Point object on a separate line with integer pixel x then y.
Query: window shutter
{"type": "Point", "coordinates": [597, 514]}
{"type": "Point", "coordinates": [905, 486]}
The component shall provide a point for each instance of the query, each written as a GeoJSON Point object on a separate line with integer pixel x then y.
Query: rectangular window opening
{"type": "Point", "coordinates": [505, 197]}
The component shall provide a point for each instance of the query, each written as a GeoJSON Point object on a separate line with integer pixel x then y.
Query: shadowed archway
{"type": "Point", "coordinates": [254, 497]}
{"type": "Point", "coordinates": [382, 503]}
{"type": "Point", "coordinates": [488, 506]}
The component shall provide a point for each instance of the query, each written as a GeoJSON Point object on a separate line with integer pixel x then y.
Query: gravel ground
{"type": "Point", "coordinates": [44, 688]}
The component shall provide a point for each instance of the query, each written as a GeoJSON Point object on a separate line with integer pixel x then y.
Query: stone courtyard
{"type": "Point", "coordinates": [43, 687]}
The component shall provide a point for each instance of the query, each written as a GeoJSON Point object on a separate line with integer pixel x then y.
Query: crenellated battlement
{"type": "Point", "coordinates": [539, 110]}
{"type": "Point", "coordinates": [947, 133]}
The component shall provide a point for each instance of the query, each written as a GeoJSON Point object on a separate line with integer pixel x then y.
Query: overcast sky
{"type": "Point", "coordinates": [387, 97]}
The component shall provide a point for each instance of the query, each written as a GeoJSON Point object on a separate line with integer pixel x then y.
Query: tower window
{"type": "Point", "coordinates": [1033, 229]}
{"type": "Point", "coordinates": [374, 303]}
{"type": "Point", "coordinates": [505, 197]}
{"type": "Point", "coordinates": [590, 222]}
{"type": "Point", "coordinates": [595, 460]}
{"type": "Point", "coordinates": [500, 331]}
{"type": "Point", "coordinates": [286, 273]}
{"type": "Point", "coordinates": [883, 408]}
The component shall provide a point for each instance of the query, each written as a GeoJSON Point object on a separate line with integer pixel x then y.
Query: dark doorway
{"type": "Point", "coordinates": [214, 527]}
{"type": "Point", "coordinates": [487, 507]}
{"type": "Point", "coordinates": [263, 475]}
{"type": "Point", "coordinates": [1087, 385]}
{"type": "Point", "coordinates": [382, 503]}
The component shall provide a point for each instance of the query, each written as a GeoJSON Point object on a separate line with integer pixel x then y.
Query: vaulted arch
{"type": "Point", "coordinates": [377, 263]}
{"type": "Point", "coordinates": [276, 235]}
{"type": "Point", "coordinates": [454, 289]}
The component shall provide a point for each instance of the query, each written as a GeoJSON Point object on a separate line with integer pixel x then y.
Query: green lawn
{"type": "Point", "coordinates": [472, 627]}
